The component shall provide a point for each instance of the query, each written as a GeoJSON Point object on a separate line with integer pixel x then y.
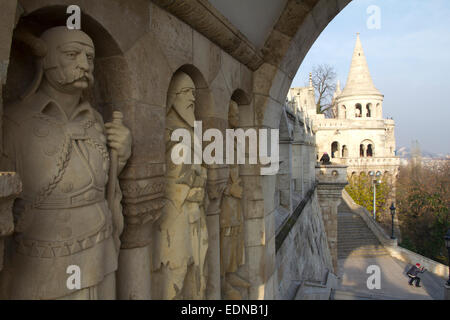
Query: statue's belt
{"type": "Point", "coordinates": [86, 197]}
{"type": "Point", "coordinates": [54, 249]}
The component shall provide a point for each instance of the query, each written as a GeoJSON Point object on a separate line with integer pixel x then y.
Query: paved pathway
{"type": "Point", "coordinates": [358, 249]}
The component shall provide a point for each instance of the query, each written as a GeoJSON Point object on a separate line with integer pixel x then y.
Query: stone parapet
{"type": "Point", "coordinates": [331, 181]}
{"type": "Point", "coordinates": [376, 161]}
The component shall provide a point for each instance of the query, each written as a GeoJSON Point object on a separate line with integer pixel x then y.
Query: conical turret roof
{"type": "Point", "coordinates": [359, 81]}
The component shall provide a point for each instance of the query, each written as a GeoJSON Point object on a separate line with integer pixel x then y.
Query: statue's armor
{"type": "Point", "coordinates": [62, 217]}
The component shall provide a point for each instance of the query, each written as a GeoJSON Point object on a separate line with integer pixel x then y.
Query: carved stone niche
{"type": "Point", "coordinates": [10, 187]}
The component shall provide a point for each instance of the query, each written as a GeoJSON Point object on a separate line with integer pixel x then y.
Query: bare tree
{"type": "Point", "coordinates": [323, 81]}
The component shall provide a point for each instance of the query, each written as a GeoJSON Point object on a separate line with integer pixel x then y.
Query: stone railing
{"type": "Point", "coordinates": [10, 187]}
{"type": "Point", "coordinates": [377, 161]}
{"type": "Point", "coordinates": [290, 222]}
{"type": "Point", "coordinates": [391, 245]}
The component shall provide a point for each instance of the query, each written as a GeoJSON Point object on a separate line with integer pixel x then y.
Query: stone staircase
{"type": "Point", "coordinates": [354, 237]}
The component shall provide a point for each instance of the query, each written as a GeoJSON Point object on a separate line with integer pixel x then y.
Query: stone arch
{"type": "Point", "coordinates": [108, 56]}
{"type": "Point", "coordinates": [367, 148]}
{"type": "Point", "coordinates": [204, 103]}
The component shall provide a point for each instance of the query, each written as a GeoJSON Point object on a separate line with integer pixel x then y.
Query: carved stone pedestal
{"type": "Point", "coordinates": [331, 180]}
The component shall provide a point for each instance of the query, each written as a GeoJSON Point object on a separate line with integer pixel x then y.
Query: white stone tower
{"type": "Point", "coordinates": [359, 99]}
{"type": "Point", "coordinates": [357, 135]}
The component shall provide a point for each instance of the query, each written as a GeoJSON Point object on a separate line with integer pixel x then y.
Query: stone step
{"type": "Point", "coordinates": [348, 294]}
{"type": "Point", "coordinates": [356, 236]}
{"type": "Point", "coordinates": [380, 250]}
{"type": "Point", "coordinates": [367, 246]}
{"type": "Point", "coordinates": [344, 255]}
{"type": "Point", "coordinates": [358, 241]}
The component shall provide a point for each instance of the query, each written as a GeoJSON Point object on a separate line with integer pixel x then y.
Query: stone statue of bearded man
{"type": "Point", "coordinates": [181, 237]}
{"type": "Point", "coordinates": [59, 146]}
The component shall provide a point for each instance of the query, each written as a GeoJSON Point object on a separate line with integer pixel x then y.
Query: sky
{"type": "Point", "coordinates": [408, 58]}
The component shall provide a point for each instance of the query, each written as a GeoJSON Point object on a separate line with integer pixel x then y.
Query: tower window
{"type": "Point", "coordinates": [358, 110]}
{"type": "Point", "coordinates": [369, 151]}
{"type": "Point", "coordinates": [335, 150]}
{"type": "Point", "coordinates": [369, 110]}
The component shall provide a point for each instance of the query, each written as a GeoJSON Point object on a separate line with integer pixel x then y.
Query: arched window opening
{"type": "Point", "coordinates": [361, 150]}
{"type": "Point", "coordinates": [344, 152]}
{"type": "Point", "coordinates": [358, 110]}
{"type": "Point", "coordinates": [344, 112]}
{"type": "Point", "coordinates": [335, 150]}
{"type": "Point", "coordinates": [369, 150]}
{"type": "Point", "coordinates": [369, 110]}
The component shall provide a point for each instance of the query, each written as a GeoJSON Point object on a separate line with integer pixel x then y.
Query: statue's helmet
{"type": "Point", "coordinates": [181, 97]}
{"type": "Point", "coordinates": [45, 48]}
{"type": "Point", "coordinates": [56, 37]}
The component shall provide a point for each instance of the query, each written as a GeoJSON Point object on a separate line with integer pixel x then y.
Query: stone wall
{"type": "Point", "coordinates": [304, 254]}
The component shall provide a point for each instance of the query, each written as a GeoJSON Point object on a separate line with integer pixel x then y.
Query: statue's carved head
{"type": "Point", "coordinates": [64, 57]}
{"type": "Point", "coordinates": [233, 114]}
{"type": "Point", "coordinates": [181, 97]}
{"type": "Point", "coordinates": [69, 62]}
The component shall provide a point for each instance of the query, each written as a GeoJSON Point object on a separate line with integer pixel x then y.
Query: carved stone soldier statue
{"type": "Point", "coordinates": [181, 236]}
{"type": "Point", "coordinates": [58, 144]}
{"type": "Point", "coordinates": [232, 254]}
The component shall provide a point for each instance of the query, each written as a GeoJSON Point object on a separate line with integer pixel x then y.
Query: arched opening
{"type": "Point", "coordinates": [369, 151]}
{"type": "Point", "coordinates": [344, 152]}
{"type": "Point", "coordinates": [335, 150]}
{"type": "Point", "coordinates": [188, 100]}
{"type": "Point", "coordinates": [343, 112]}
{"type": "Point", "coordinates": [108, 57]}
{"type": "Point", "coordinates": [369, 110]}
{"type": "Point", "coordinates": [358, 110]}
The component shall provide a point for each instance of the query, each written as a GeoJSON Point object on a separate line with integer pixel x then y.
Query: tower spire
{"type": "Point", "coordinates": [359, 81]}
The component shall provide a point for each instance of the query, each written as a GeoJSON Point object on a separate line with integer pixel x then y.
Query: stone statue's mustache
{"type": "Point", "coordinates": [74, 76]}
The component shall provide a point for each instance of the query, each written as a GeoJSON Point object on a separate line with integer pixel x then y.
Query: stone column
{"type": "Point", "coordinates": [10, 187]}
{"type": "Point", "coordinates": [331, 180]}
{"type": "Point", "coordinates": [217, 181]}
{"type": "Point", "coordinates": [142, 205]}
